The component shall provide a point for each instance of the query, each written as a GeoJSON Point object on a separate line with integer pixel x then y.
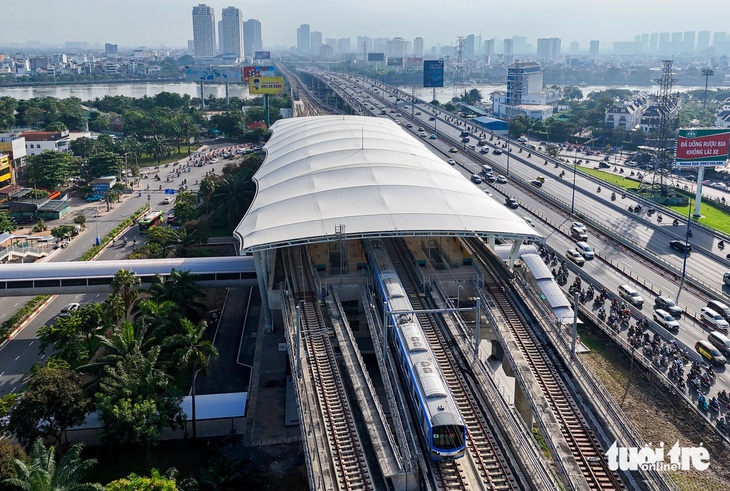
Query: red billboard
{"type": "Point", "coordinates": [702, 147]}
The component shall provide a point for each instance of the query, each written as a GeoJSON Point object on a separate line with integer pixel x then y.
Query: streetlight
{"type": "Point", "coordinates": [707, 73]}
{"type": "Point", "coordinates": [458, 296]}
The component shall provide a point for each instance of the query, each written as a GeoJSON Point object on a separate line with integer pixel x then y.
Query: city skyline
{"type": "Point", "coordinates": [167, 23]}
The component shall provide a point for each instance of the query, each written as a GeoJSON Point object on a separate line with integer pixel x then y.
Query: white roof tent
{"type": "Point", "coordinates": [332, 177]}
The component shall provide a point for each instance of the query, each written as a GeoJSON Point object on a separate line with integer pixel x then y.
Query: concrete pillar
{"type": "Point", "coordinates": [259, 259]}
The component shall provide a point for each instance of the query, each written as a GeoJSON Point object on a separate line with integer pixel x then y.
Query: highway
{"type": "Point", "coordinates": [633, 248]}
{"type": "Point", "coordinates": [19, 355]}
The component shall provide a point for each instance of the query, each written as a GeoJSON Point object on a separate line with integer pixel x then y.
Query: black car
{"type": "Point", "coordinates": [536, 183]}
{"type": "Point", "coordinates": [666, 303]}
{"type": "Point", "coordinates": [680, 246]}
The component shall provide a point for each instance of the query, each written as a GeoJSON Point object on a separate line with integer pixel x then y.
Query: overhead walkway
{"type": "Point", "coordinates": [97, 276]}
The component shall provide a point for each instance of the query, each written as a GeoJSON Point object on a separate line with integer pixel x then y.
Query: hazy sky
{"type": "Point", "coordinates": [169, 22]}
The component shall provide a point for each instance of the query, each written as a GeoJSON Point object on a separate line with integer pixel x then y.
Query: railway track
{"type": "Point", "coordinates": [348, 460]}
{"type": "Point", "coordinates": [585, 447]}
{"type": "Point", "coordinates": [486, 457]}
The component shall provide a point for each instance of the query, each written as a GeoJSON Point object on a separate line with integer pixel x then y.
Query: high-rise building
{"type": "Point", "coordinates": [303, 39]}
{"type": "Point", "coordinates": [653, 42]}
{"type": "Point", "coordinates": [343, 45]}
{"type": "Point", "coordinates": [548, 48]}
{"type": "Point", "coordinates": [523, 79]}
{"type": "Point", "coordinates": [204, 30]}
{"type": "Point", "coordinates": [664, 45]}
{"type": "Point", "coordinates": [364, 44]}
{"type": "Point", "coordinates": [594, 48]}
{"type": "Point", "coordinates": [232, 32]}
{"type": "Point", "coordinates": [489, 48]}
{"type": "Point", "coordinates": [508, 53]}
{"type": "Point", "coordinates": [252, 40]}
{"type": "Point", "coordinates": [574, 47]}
{"type": "Point", "coordinates": [645, 43]}
{"type": "Point", "coordinates": [396, 48]}
{"type": "Point", "coordinates": [676, 43]}
{"type": "Point", "coordinates": [191, 46]}
{"type": "Point", "coordinates": [469, 46]}
{"type": "Point", "coordinates": [520, 45]}
{"type": "Point", "coordinates": [111, 49]}
{"type": "Point", "coordinates": [688, 42]}
{"type": "Point", "coordinates": [220, 38]}
{"type": "Point", "coordinates": [703, 41]}
{"type": "Point", "coordinates": [315, 41]}
{"type": "Point", "coordinates": [418, 46]}
{"type": "Point", "coordinates": [718, 38]}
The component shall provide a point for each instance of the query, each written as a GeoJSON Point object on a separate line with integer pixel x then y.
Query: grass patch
{"type": "Point", "coordinates": [612, 178]}
{"type": "Point", "coordinates": [148, 160]}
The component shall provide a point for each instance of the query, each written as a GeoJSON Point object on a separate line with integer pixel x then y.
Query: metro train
{"type": "Point", "coordinates": [438, 416]}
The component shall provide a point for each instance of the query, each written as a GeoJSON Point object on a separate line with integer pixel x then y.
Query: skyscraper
{"type": "Point", "coordinates": [703, 41]}
{"type": "Point", "coordinates": [594, 47]}
{"type": "Point", "coordinates": [303, 39]}
{"type": "Point", "coordinates": [688, 42]}
{"type": "Point", "coordinates": [232, 32]}
{"type": "Point", "coordinates": [548, 48]}
{"type": "Point", "coordinates": [418, 45]}
{"type": "Point", "coordinates": [204, 30]}
{"type": "Point", "coordinates": [315, 41]}
{"type": "Point", "coordinates": [574, 47]}
{"type": "Point", "coordinates": [252, 40]}
{"type": "Point", "coordinates": [653, 42]}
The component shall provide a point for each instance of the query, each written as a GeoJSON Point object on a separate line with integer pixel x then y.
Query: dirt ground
{"type": "Point", "coordinates": [659, 416]}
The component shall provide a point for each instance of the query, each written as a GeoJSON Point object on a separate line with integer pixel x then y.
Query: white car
{"type": "Point", "coordinates": [451, 161]}
{"type": "Point", "coordinates": [630, 295]}
{"type": "Point", "coordinates": [166, 200]}
{"type": "Point", "coordinates": [713, 319]}
{"type": "Point", "coordinates": [529, 221]}
{"type": "Point", "coordinates": [578, 226]}
{"type": "Point", "coordinates": [575, 256]}
{"type": "Point", "coordinates": [501, 179]}
{"type": "Point", "coordinates": [665, 319]}
{"type": "Point", "coordinates": [68, 309]}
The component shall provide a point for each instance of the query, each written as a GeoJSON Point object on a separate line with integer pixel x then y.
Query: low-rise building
{"type": "Point", "coordinates": [37, 142]}
{"type": "Point", "coordinates": [626, 114]}
{"type": "Point", "coordinates": [13, 145]}
{"type": "Point", "coordinates": [652, 117]}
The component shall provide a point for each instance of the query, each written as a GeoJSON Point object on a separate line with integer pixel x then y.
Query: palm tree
{"type": "Point", "coordinates": [192, 352]}
{"type": "Point", "coordinates": [159, 319]}
{"type": "Point", "coordinates": [42, 473]}
{"type": "Point", "coordinates": [158, 147]}
{"type": "Point", "coordinates": [179, 287]}
{"type": "Point", "coordinates": [207, 190]}
{"type": "Point", "coordinates": [126, 284]}
{"type": "Point", "coordinates": [235, 192]}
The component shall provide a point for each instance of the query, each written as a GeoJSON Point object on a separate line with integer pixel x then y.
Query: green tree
{"type": "Point", "coordinates": [103, 164]}
{"type": "Point", "coordinates": [230, 123]}
{"type": "Point", "coordinates": [42, 473]}
{"type": "Point", "coordinates": [519, 126]}
{"type": "Point", "coordinates": [137, 401]}
{"type": "Point", "coordinates": [53, 401]}
{"type": "Point", "coordinates": [186, 206]}
{"type": "Point", "coordinates": [180, 288]}
{"type": "Point", "coordinates": [133, 482]}
{"type": "Point", "coordinates": [32, 115]}
{"type": "Point", "coordinates": [49, 169]}
{"type": "Point", "coordinates": [126, 285]}
{"type": "Point", "coordinates": [207, 190]}
{"type": "Point", "coordinates": [193, 353]}
{"type": "Point", "coordinates": [8, 105]}
{"type": "Point", "coordinates": [9, 452]}
{"type": "Point", "coordinates": [56, 126]}
{"type": "Point", "coordinates": [83, 147]}
{"type": "Point", "coordinates": [6, 225]}
{"type": "Point", "coordinates": [62, 231]}
{"type": "Point", "coordinates": [64, 335]}
{"type": "Point", "coordinates": [158, 147]}
{"type": "Point", "coordinates": [235, 192]}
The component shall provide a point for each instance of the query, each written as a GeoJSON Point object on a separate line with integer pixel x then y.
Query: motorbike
{"type": "Point", "coordinates": [675, 222]}
{"type": "Point", "coordinates": [659, 218]}
{"type": "Point", "coordinates": [689, 233]}
{"type": "Point", "coordinates": [546, 162]}
{"type": "Point", "coordinates": [631, 209]}
{"type": "Point", "coordinates": [613, 196]}
{"type": "Point", "coordinates": [721, 244]}
{"type": "Point", "coordinates": [714, 404]}
{"type": "Point", "coordinates": [562, 174]}
{"type": "Point", "coordinates": [556, 165]}
{"type": "Point", "coordinates": [702, 402]}
{"type": "Point", "coordinates": [599, 189]}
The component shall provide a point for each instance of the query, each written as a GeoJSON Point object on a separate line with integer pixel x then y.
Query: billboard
{"type": "Point", "coordinates": [433, 73]}
{"type": "Point", "coordinates": [258, 71]}
{"type": "Point", "coordinates": [266, 85]}
{"type": "Point", "coordinates": [262, 55]}
{"type": "Point", "coordinates": [413, 62]}
{"type": "Point", "coordinates": [393, 61]}
{"type": "Point", "coordinates": [702, 147]}
{"type": "Point", "coordinates": [199, 73]}
{"type": "Point", "coordinates": [376, 56]}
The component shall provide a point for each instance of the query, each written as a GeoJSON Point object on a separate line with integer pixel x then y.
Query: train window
{"type": "Point", "coordinates": [46, 283]}
{"type": "Point", "coordinates": [101, 281]}
{"type": "Point", "coordinates": [249, 276]}
{"type": "Point", "coordinates": [20, 284]}
{"type": "Point", "coordinates": [204, 277]}
{"type": "Point", "coordinates": [228, 276]}
{"type": "Point", "coordinates": [73, 282]}
{"type": "Point", "coordinates": [448, 437]}
{"type": "Point", "coordinates": [2, 285]}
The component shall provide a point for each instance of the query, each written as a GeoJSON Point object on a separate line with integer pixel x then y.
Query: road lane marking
{"type": "Point", "coordinates": [31, 343]}
{"type": "Point", "coordinates": [17, 357]}
{"type": "Point", "coordinates": [1, 374]}
{"type": "Point", "coordinates": [43, 356]}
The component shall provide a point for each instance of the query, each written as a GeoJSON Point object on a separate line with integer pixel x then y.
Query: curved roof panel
{"type": "Point", "coordinates": [362, 177]}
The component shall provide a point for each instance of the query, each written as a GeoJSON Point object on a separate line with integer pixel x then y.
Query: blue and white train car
{"type": "Point", "coordinates": [439, 419]}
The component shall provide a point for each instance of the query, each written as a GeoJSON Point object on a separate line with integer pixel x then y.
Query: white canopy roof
{"type": "Point", "coordinates": [364, 177]}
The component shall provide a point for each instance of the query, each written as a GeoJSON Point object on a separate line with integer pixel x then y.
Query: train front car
{"type": "Point", "coordinates": [437, 415]}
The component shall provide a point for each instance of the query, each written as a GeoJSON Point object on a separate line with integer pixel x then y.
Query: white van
{"type": "Point", "coordinates": [487, 170]}
{"type": "Point", "coordinates": [630, 295]}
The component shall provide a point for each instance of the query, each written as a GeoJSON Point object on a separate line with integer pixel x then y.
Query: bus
{"type": "Point", "coordinates": [151, 219]}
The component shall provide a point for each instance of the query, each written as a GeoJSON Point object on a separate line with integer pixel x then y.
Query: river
{"type": "Point", "coordinates": [87, 92]}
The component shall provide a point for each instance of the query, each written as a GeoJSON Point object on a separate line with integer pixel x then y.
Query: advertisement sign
{"type": "Point", "coordinates": [433, 73]}
{"type": "Point", "coordinates": [413, 62]}
{"type": "Point", "coordinates": [262, 55]}
{"type": "Point", "coordinates": [376, 56]}
{"type": "Point", "coordinates": [266, 85]}
{"type": "Point", "coordinates": [702, 147]}
{"type": "Point", "coordinates": [392, 61]}
{"type": "Point", "coordinates": [213, 73]}
{"type": "Point", "coordinates": [258, 71]}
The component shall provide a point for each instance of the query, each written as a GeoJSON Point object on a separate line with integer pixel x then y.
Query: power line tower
{"type": "Point", "coordinates": [666, 104]}
{"type": "Point", "coordinates": [459, 64]}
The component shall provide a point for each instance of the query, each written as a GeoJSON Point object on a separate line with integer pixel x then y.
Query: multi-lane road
{"type": "Point", "coordinates": [633, 248]}
{"type": "Point", "coordinates": [19, 355]}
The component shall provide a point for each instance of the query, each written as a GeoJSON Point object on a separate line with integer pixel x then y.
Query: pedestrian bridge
{"type": "Point", "coordinates": [97, 276]}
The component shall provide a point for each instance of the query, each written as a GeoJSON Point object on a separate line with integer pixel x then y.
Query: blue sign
{"type": "Point", "coordinates": [433, 73]}
{"type": "Point", "coordinates": [169, 191]}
